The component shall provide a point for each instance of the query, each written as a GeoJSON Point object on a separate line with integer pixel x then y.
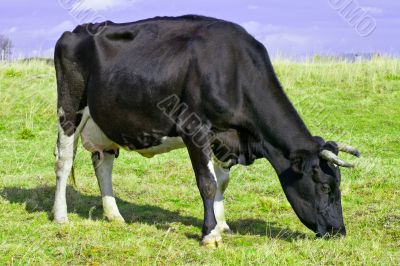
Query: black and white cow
{"type": "Point", "coordinates": [166, 83]}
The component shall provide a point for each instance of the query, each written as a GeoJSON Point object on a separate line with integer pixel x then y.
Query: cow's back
{"type": "Point", "coordinates": [125, 70]}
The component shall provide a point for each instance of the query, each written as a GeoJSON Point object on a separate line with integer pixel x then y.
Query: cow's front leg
{"type": "Point", "coordinates": [207, 184]}
{"type": "Point", "coordinates": [222, 175]}
{"type": "Point", "coordinates": [103, 166]}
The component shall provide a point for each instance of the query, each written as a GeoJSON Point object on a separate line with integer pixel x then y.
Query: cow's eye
{"type": "Point", "coordinates": [326, 188]}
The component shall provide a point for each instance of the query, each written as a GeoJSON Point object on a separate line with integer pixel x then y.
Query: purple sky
{"type": "Point", "coordinates": [292, 28]}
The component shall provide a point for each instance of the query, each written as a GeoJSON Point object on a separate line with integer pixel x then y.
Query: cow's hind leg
{"type": "Point", "coordinates": [64, 158]}
{"type": "Point", "coordinates": [67, 140]}
{"type": "Point", "coordinates": [71, 86]}
{"type": "Point", "coordinates": [222, 175]}
{"type": "Point", "coordinates": [103, 166]}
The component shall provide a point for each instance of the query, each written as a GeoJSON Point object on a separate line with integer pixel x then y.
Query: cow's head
{"type": "Point", "coordinates": [312, 186]}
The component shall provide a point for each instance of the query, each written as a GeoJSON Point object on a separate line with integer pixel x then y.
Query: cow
{"type": "Point", "coordinates": [202, 83]}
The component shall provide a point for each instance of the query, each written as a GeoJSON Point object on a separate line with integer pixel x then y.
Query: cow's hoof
{"type": "Point", "coordinates": [212, 243]}
{"type": "Point", "coordinates": [212, 240]}
{"type": "Point", "coordinates": [61, 220]}
{"type": "Point", "coordinates": [115, 218]}
{"type": "Point", "coordinates": [224, 228]}
{"type": "Point", "coordinates": [227, 231]}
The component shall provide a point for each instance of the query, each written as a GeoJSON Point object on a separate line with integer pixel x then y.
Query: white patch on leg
{"type": "Point", "coordinates": [213, 239]}
{"type": "Point", "coordinates": [110, 209]}
{"type": "Point", "coordinates": [222, 177]}
{"type": "Point", "coordinates": [64, 159]}
{"type": "Point", "coordinates": [65, 152]}
{"type": "Point", "coordinates": [103, 168]}
{"type": "Point", "coordinates": [210, 166]}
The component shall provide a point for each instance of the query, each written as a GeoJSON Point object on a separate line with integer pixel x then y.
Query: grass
{"type": "Point", "coordinates": [356, 103]}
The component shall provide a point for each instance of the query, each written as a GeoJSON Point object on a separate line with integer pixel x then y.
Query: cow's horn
{"type": "Point", "coordinates": [348, 149]}
{"type": "Point", "coordinates": [331, 157]}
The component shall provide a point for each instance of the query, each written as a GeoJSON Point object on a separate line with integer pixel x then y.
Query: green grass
{"type": "Point", "coordinates": [356, 103]}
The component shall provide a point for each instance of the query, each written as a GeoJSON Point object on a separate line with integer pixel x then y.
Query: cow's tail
{"type": "Point", "coordinates": [72, 176]}
{"type": "Point", "coordinates": [85, 117]}
{"type": "Point", "coordinates": [72, 173]}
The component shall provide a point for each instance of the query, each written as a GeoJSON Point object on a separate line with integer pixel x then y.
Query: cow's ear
{"type": "Point", "coordinates": [302, 161]}
{"type": "Point", "coordinates": [319, 140]}
{"type": "Point", "coordinates": [331, 146]}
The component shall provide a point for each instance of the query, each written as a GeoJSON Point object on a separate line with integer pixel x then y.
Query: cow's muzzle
{"type": "Point", "coordinates": [332, 232]}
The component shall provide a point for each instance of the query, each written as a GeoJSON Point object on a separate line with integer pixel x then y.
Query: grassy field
{"type": "Point", "coordinates": [356, 103]}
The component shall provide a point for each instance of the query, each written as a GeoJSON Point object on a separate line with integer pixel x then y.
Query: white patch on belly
{"type": "Point", "coordinates": [94, 140]}
{"type": "Point", "coordinates": [167, 144]}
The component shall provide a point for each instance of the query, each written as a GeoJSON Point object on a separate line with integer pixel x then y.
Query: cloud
{"type": "Point", "coordinates": [63, 26]}
{"type": "Point", "coordinates": [55, 31]}
{"type": "Point", "coordinates": [259, 30]}
{"type": "Point", "coordinates": [373, 10]}
{"type": "Point", "coordinates": [280, 38]}
{"type": "Point", "coordinates": [48, 52]}
{"type": "Point", "coordinates": [9, 31]}
{"type": "Point", "coordinates": [286, 39]}
{"type": "Point", "coordinates": [97, 5]}
{"type": "Point", "coordinates": [252, 7]}
{"type": "Point", "coordinates": [12, 30]}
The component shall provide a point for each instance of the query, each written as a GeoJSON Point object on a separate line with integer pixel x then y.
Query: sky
{"type": "Point", "coordinates": [285, 27]}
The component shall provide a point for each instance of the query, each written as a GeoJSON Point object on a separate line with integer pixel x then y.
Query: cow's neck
{"type": "Point", "coordinates": [279, 125]}
{"type": "Point", "coordinates": [276, 157]}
